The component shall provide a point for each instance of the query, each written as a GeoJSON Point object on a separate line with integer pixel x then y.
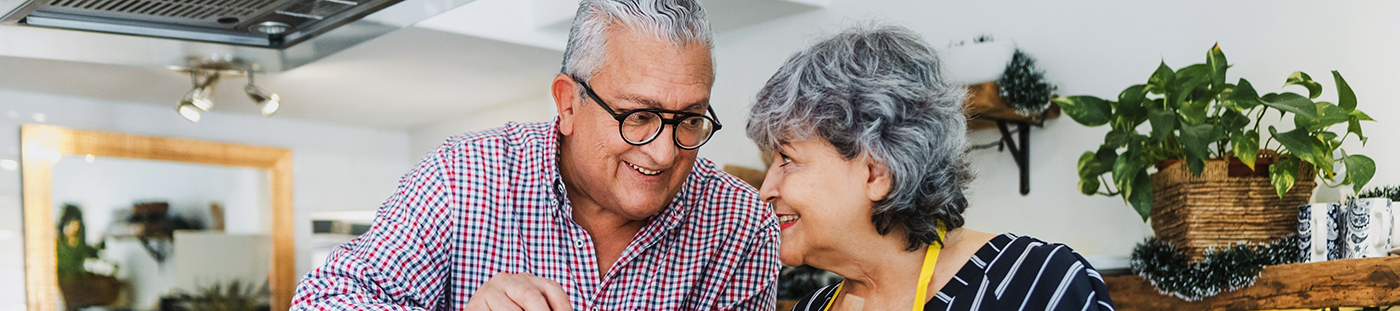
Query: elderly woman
{"type": "Point", "coordinates": [868, 181]}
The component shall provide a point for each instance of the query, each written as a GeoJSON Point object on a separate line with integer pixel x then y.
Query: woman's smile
{"type": "Point", "coordinates": [787, 220]}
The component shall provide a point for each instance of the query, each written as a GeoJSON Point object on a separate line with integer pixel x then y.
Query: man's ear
{"type": "Point", "coordinates": [878, 181]}
{"type": "Point", "coordinates": [565, 92]}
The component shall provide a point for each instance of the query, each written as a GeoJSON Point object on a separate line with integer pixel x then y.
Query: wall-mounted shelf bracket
{"type": "Point", "coordinates": [1020, 149]}
{"type": "Point", "coordinates": [986, 109]}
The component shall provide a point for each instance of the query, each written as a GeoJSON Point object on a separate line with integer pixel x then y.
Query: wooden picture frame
{"type": "Point", "coordinates": [43, 144]}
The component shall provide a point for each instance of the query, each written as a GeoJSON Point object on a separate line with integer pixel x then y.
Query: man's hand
{"type": "Point", "coordinates": [509, 291]}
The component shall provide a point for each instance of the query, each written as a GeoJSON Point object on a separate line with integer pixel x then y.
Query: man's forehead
{"type": "Point", "coordinates": [636, 101]}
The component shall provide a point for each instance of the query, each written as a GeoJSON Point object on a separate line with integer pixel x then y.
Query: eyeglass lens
{"type": "Point", "coordinates": [640, 127]}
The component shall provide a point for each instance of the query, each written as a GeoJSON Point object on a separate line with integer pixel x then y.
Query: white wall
{"type": "Point", "coordinates": [1092, 47]}
{"type": "Point", "coordinates": [334, 167]}
{"type": "Point", "coordinates": [427, 138]}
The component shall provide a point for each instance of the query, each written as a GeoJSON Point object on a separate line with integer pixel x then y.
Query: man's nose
{"type": "Point", "coordinates": [663, 149]}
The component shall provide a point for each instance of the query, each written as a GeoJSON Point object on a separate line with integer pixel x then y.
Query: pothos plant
{"type": "Point", "coordinates": [1194, 114]}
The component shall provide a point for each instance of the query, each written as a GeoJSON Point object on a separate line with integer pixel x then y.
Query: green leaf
{"type": "Point", "coordinates": [1136, 144]}
{"type": "Point", "coordinates": [1360, 169]}
{"type": "Point", "coordinates": [1300, 144]}
{"type": "Point", "coordinates": [1322, 154]}
{"type": "Point", "coordinates": [1346, 98]}
{"type": "Point", "coordinates": [1161, 78]}
{"type": "Point", "coordinates": [1087, 110]}
{"type": "Point", "coordinates": [1163, 123]}
{"type": "Point", "coordinates": [1291, 102]}
{"type": "Point", "coordinates": [1123, 123]}
{"type": "Point", "coordinates": [1086, 163]}
{"type": "Point", "coordinates": [1329, 115]}
{"type": "Point", "coordinates": [1354, 127]}
{"type": "Point", "coordinates": [1327, 136]}
{"type": "Point", "coordinates": [1303, 122]}
{"type": "Point", "coordinates": [1244, 96]}
{"type": "Point", "coordinates": [1302, 79]}
{"type": "Point", "coordinates": [1246, 147]}
{"type": "Point", "coordinates": [1115, 139]}
{"type": "Point", "coordinates": [1283, 175]}
{"type": "Point", "coordinates": [1123, 172]}
{"type": "Point", "coordinates": [1233, 121]}
{"type": "Point", "coordinates": [1187, 81]}
{"type": "Point", "coordinates": [1216, 59]}
{"type": "Point", "coordinates": [1132, 96]}
{"type": "Point", "coordinates": [1129, 111]}
{"type": "Point", "coordinates": [1089, 186]}
{"type": "Point", "coordinates": [1361, 115]}
{"type": "Point", "coordinates": [1092, 164]}
{"type": "Point", "coordinates": [1194, 111]}
{"type": "Point", "coordinates": [1141, 198]}
{"type": "Point", "coordinates": [1125, 169]}
{"type": "Point", "coordinates": [1196, 139]}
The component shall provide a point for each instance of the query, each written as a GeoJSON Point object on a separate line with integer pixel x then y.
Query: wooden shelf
{"type": "Point", "coordinates": [985, 106]}
{"type": "Point", "coordinates": [1337, 283]}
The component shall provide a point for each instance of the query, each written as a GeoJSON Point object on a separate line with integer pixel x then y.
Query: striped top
{"type": "Point", "coordinates": [1011, 273]}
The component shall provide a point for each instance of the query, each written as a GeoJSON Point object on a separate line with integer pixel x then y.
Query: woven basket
{"type": "Point", "coordinates": [1217, 209]}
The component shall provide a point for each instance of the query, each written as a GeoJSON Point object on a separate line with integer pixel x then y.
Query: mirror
{"type": "Point", "coordinates": [134, 222]}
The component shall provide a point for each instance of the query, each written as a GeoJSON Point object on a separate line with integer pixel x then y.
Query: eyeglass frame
{"type": "Point", "coordinates": [673, 121]}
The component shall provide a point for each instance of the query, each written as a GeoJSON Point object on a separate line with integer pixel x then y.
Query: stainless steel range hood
{"type": "Point", "coordinates": [272, 35]}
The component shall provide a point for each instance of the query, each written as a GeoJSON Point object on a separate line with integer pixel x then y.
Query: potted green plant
{"type": "Point", "coordinates": [1193, 115]}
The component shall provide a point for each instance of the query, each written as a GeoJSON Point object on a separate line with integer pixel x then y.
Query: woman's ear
{"type": "Point", "coordinates": [565, 92]}
{"type": "Point", "coordinates": [878, 180]}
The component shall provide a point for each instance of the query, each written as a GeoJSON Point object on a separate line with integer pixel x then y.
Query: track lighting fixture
{"type": "Point", "coordinates": [267, 102]}
{"type": "Point", "coordinates": [204, 76]}
{"type": "Point", "coordinates": [198, 98]}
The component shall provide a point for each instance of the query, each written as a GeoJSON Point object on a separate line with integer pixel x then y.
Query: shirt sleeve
{"type": "Point", "coordinates": [1083, 288]}
{"type": "Point", "coordinates": [754, 283]}
{"type": "Point", "coordinates": [399, 264]}
{"type": "Point", "coordinates": [1053, 277]}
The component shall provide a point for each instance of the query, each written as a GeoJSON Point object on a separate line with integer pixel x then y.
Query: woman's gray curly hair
{"type": "Point", "coordinates": [877, 91]}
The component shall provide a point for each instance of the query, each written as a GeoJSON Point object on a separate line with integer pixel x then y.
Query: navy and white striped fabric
{"type": "Point", "coordinates": [1011, 273]}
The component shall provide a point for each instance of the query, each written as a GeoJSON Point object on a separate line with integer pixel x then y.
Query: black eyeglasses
{"type": "Point", "coordinates": [641, 126]}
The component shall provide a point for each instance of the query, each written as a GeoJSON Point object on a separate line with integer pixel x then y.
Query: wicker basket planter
{"type": "Point", "coordinates": [1218, 209]}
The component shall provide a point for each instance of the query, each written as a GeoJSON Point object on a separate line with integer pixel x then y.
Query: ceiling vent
{"type": "Point", "coordinates": [275, 24]}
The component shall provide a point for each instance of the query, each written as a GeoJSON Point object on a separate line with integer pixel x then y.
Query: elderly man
{"type": "Point", "coordinates": [606, 208]}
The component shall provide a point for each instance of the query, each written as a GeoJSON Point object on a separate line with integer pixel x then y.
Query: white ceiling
{"type": "Point", "coordinates": [482, 54]}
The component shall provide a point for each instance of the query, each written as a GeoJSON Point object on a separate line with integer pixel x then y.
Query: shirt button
{"type": "Point", "coordinates": [595, 308]}
{"type": "Point", "coordinates": [579, 243]}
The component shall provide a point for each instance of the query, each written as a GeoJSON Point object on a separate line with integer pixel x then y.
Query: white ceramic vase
{"type": "Point", "coordinates": [1367, 232]}
{"type": "Point", "coordinates": [977, 62]}
{"type": "Point", "coordinates": [1319, 229]}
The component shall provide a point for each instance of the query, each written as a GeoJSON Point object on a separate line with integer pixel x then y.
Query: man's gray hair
{"type": "Point", "coordinates": [679, 22]}
{"type": "Point", "coordinates": [878, 92]}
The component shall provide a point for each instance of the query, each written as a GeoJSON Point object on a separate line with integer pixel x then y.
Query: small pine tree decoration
{"type": "Point", "coordinates": [1388, 192]}
{"type": "Point", "coordinates": [1023, 87]}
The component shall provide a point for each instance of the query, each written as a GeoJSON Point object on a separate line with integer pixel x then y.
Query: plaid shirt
{"type": "Point", "coordinates": [493, 202]}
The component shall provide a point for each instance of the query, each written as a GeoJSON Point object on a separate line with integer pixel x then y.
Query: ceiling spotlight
{"type": "Point", "coordinates": [267, 102]}
{"type": "Point", "coordinates": [203, 94]}
{"type": "Point", "coordinates": [205, 75]}
{"type": "Point", "coordinates": [189, 111]}
{"type": "Point", "coordinates": [200, 98]}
